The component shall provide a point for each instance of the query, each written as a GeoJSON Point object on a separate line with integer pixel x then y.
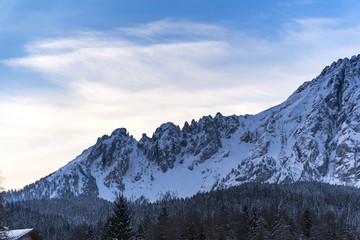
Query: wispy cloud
{"type": "Point", "coordinates": [183, 28]}
{"type": "Point", "coordinates": [112, 59]}
{"type": "Point", "coordinates": [131, 67]}
{"type": "Point", "coordinates": [296, 3]}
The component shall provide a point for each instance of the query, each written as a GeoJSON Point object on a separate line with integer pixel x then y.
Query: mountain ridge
{"type": "Point", "coordinates": [312, 136]}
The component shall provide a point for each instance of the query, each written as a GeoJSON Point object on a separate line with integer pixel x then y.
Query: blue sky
{"type": "Point", "coordinates": [72, 71]}
{"type": "Point", "coordinates": [24, 21]}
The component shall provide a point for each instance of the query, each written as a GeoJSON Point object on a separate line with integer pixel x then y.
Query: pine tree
{"type": "Point", "coordinates": [106, 232]}
{"type": "Point", "coordinates": [3, 234]}
{"type": "Point", "coordinates": [163, 225]}
{"type": "Point", "coordinates": [307, 223]}
{"type": "Point", "coordinates": [192, 228]}
{"type": "Point", "coordinates": [189, 232]}
{"type": "Point", "coordinates": [221, 223]}
{"type": "Point", "coordinates": [118, 226]}
{"type": "Point", "coordinates": [143, 231]}
{"type": "Point", "coordinates": [89, 234]}
{"type": "Point", "coordinates": [2, 210]}
{"type": "Point", "coordinates": [140, 233]}
{"type": "Point", "coordinates": [280, 229]}
{"type": "Point", "coordinates": [79, 232]}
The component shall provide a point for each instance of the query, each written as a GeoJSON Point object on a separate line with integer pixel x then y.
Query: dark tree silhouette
{"type": "Point", "coordinates": [119, 223]}
{"type": "Point", "coordinates": [79, 232]}
{"type": "Point", "coordinates": [89, 234]}
{"type": "Point", "coordinates": [164, 227]}
{"type": "Point", "coordinates": [249, 211]}
{"type": "Point", "coordinates": [307, 223]}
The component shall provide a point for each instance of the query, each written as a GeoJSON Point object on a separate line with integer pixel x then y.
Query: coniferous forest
{"type": "Point", "coordinates": [249, 211]}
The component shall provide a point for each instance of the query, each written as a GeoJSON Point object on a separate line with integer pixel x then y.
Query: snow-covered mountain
{"type": "Point", "coordinates": [313, 136]}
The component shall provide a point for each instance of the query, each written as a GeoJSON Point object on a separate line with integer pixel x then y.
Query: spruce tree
{"type": "Point", "coordinates": [2, 209]}
{"type": "Point", "coordinates": [307, 223]}
{"type": "Point", "coordinates": [163, 225]}
{"type": "Point", "coordinates": [189, 232]}
{"type": "Point", "coordinates": [89, 234]}
{"type": "Point", "coordinates": [118, 226]}
{"type": "Point", "coordinates": [3, 234]}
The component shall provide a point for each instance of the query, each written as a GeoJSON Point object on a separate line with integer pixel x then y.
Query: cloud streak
{"type": "Point", "coordinates": [171, 29]}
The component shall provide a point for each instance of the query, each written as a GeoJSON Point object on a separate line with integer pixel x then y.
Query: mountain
{"type": "Point", "coordinates": [313, 136]}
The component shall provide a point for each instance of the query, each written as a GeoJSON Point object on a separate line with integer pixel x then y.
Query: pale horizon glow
{"type": "Point", "coordinates": [67, 89]}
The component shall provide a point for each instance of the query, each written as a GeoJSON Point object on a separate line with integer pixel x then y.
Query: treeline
{"type": "Point", "coordinates": [255, 211]}
{"type": "Point", "coordinates": [248, 223]}
{"type": "Point", "coordinates": [63, 218]}
{"type": "Point", "coordinates": [248, 211]}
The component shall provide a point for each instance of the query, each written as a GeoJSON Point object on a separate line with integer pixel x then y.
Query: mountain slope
{"type": "Point", "coordinates": [313, 136]}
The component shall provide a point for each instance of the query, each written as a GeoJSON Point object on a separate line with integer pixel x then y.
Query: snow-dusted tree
{"type": "Point", "coordinates": [118, 226]}
{"type": "Point", "coordinates": [2, 210]}
{"type": "Point", "coordinates": [280, 229]}
{"type": "Point", "coordinates": [3, 234]}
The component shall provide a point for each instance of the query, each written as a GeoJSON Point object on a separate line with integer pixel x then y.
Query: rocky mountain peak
{"type": "Point", "coordinates": [354, 61]}
{"type": "Point", "coordinates": [169, 129]}
{"type": "Point", "coordinates": [120, 132]}
{"type": "Point", "coordinates": [313, 136]}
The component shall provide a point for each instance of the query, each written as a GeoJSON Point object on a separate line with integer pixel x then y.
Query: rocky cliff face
{"type": "Point", "coordinates": [313, 136]}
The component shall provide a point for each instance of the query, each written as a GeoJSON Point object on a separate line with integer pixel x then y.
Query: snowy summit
{"type": "Point", "coordinates": [313, 136]}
